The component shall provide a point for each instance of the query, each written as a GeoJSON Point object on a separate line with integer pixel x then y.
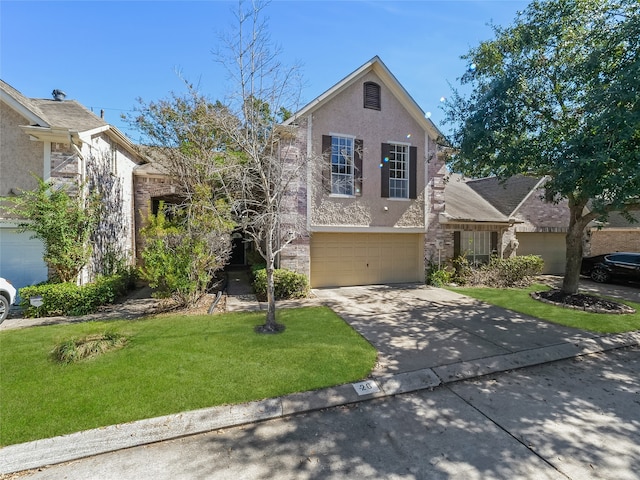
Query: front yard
{"type": "Point", "coordinates": [519, 300]}
{"type": "Point", "coordinates": [169, 364]}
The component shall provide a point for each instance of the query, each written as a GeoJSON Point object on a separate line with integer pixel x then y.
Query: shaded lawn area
{"type": "Point", "coordinates": [519, 300]}
{"type": "Point", "coordinates": [170, 364]}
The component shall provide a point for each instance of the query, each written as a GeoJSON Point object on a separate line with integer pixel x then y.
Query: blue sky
{"type": "Point", "coordinates": [106, 54]}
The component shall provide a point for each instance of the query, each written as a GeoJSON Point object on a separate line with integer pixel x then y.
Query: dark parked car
{"type": "Point", "coordinates": [622, 266]}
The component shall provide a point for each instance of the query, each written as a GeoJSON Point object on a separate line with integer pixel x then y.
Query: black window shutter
{"type": "Point", "coordinates": [384, 171]}
{"type": "Point", "coordinates": [326, 164]}
{"type": "Point", "coordinates": [456, 244]}
{"type": "Point", "coordinates": [357, 164]}
{"type": "Point", "coordinates": [413, 170]}
{"type": "Point", "coordinates": [494, 242]}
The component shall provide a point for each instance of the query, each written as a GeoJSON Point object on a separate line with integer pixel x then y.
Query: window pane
{"type": "Point", "coordinates": [398, 171]}
{"type": "Point", "coordinates": [476, 246]}
{"type": "Point", "coordinates": [342, 165]}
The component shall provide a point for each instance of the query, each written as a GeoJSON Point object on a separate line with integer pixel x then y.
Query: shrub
{"type": "Point", "coordinates": [438, 276]}
{"type": "Point", "coordinates": [72, 351]}
{"type": "Point", "coordinates": [288, 284]}
{"type": "Point", "coordinates": [71, 299]}
{"type": "Point", "coordinates": [499, 272]}
{"type": "Point", "coordinates": [182, 255]}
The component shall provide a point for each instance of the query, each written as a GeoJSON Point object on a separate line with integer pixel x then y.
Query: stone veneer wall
{"type": "Point", "coordinates": [438, 242]}
{"type": "Point", "coordinates": [296, 255]}
{"type": "Point", "coordinates": [144, 189]}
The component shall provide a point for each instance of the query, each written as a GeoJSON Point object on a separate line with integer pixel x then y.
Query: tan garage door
{"type": "Point", "coordinates": [342, 259]}
{"type": "Point", "coordinates": [550, 246]}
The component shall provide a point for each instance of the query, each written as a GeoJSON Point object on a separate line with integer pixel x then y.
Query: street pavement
{"type": "Point", "coordinates": [432, 344]}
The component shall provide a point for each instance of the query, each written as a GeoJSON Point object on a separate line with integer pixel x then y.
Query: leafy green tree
{"type": "Point", "coordinates": [182, 255]}
{"type": "Point", "coordinates": [63, 218]}
{"type": "Point", "coordinates": [557, 95]}
{"type": "Point", "coordinates": [184, 250]}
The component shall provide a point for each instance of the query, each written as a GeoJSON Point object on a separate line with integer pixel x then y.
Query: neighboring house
{"type": "Point", "coordinates": [487, 217]}
{"type": "Point", "coordinates": [60, 140]}
{"type": "Point", "coordinates": [512, 218]}
{"type": "Point", "coordinates": [536, 227]}
{"type": "Point", "coordinates": [373, 187]}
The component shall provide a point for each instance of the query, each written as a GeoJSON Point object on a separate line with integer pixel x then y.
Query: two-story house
{"type": "Point", "coordinates": [60, 140]}
{"type": "Point", "coordinates": [373, 186]}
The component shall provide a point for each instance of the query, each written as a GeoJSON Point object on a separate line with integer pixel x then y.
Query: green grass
{"type": "Point", "coordinates": [170, 364]}
{"type": "Point", "coordinates": [519, 300]}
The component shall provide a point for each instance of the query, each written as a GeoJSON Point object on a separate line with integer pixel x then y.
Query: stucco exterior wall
{"type": "Point", "coordinates": [344, 114]}
{"type": "Point", "coordinates": [19, 156]}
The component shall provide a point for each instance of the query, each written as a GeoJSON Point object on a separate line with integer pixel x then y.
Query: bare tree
{"type": "Point", "coordinates": [270, 164]}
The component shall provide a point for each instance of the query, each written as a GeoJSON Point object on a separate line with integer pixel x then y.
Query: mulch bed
{"type": "Point", "coordinates": [582, 301]}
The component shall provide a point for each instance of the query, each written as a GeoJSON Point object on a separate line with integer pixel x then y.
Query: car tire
{"type": "Point", "coordinates": [4, 308]}
{"type": "Point", "coordinates": [600, 275]}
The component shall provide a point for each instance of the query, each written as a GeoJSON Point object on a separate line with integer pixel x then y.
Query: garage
{"type": "Point", "coordinates": [550, 246]}
{"type": "Point", "coordinates": [21, 258]}
{"type": "Point", "coordinates": [343, 259]}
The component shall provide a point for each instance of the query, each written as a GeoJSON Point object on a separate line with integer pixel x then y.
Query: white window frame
{"type": "Point", "coordinates": [342, 183]}
{"type": "Point", "coordinates": [399, 170]}
{"type": "Point", "coordinates": [476, 245]}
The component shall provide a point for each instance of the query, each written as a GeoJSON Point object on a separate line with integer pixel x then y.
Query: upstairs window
{"type": "Point", "coordinates": [398, 169]}
{"type": "Point", "coordinates": [372, 95]}
{"type": "Point", "coordinates": [343, 174]}
{"type": "Point", "coordinates": [342, 167]}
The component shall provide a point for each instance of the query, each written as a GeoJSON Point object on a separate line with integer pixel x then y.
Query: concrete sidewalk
{"type": "Point", "coordinates": [425, 336]}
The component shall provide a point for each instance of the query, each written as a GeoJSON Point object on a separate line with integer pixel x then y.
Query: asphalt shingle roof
{"type": "Point", "coordinates": [67, 114]}
{"type": "Point", "coordinates": [505, 196]}
{"type": "Point", "coordinates": [462, 203]}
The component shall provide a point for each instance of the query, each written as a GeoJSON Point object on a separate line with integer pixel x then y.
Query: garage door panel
{"type": "Point", "coordinates": [550, 246]}
{"type": "Point", "coordinates": [21, 258]}
{"type": "Point", "coordinates": [342, 259]}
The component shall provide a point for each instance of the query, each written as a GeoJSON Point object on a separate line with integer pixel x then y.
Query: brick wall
{"type": "Point", "coordinates": [610, 240]}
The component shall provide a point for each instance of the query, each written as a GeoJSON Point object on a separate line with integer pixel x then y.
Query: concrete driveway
{"type": "Point", "coordinates": [415, 326]}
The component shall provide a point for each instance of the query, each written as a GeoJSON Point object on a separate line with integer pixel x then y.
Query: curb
{"type": "Point", "coordinates": [40, 453]}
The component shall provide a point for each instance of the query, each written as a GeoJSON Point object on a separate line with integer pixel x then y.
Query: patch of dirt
{"type": "Point", "coordinates": [582, 301]}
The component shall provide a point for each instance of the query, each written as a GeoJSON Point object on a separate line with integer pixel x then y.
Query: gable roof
{"type": "Point", "coordinates": [60, 117]}
{"type": "Point", "coordinates": [463, 204]}
{"type": "Point", "coordinates": [506, 196]}
{"type": "Point", "coordinates": [22, 104]}
{"type": "Point", "coordinates": [59, 114]}
{"type": "Point", "coordinates": [390, 81]}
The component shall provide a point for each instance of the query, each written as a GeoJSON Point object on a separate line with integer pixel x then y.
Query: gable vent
{"type": "Point", "coordinates": [372, 95]}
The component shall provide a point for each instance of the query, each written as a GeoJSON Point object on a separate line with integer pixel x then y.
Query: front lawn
{"type": "Point", "coordinates": [169, 364]}
{"type": "Point", "coordinates": [519, 300]}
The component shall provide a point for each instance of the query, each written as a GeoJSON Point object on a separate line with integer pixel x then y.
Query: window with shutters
{"type": "Point", "coordinates": [342, 168]}
{"type": "Point", "coordinates": [398, 168]}
{"type": "Point", "coordinates": [372, 95]}
{"type": "Point", "coordinates": [398, 171]}
{"type": "Point", "coordinates": [476, 246]}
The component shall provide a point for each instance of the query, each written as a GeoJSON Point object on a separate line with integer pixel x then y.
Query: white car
{"type": "Point", "coordinates": [7, 297]}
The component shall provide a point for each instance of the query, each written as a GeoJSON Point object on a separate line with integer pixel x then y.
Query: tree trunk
{"type": "Point", "coordinates": [271, 299]}
{"type": "Point", "coordinates": [270, 326]}
{"type": "Point", "coordinates": [577, 224]}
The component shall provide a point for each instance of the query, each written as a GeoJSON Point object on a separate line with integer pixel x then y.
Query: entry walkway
{"type": "Point", "coordinates": [425, 336]}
